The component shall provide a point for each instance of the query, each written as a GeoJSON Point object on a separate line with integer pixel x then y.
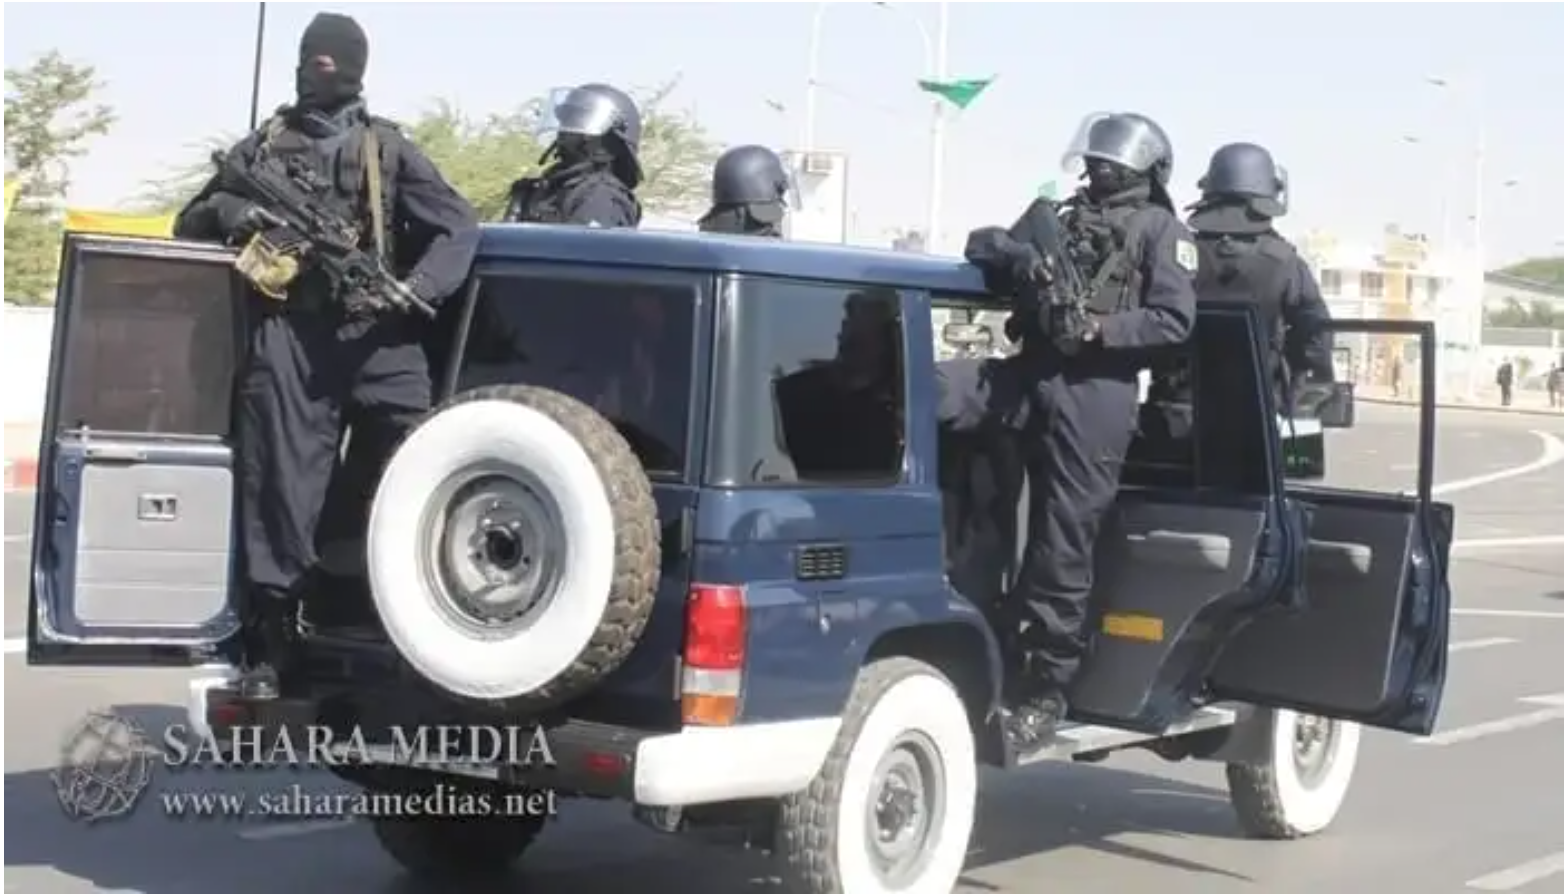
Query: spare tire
{"type": "Point", "coordinates": [513, 547]}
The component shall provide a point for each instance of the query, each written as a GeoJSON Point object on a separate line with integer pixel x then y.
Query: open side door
{"type": "Point", "coordinates": [1201, 538]}
{"type": "Point", "coordinates": [1371, 643]}
{"type": "Point", "coordinates": [132, 558]}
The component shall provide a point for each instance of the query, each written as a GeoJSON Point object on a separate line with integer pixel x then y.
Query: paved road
{"type": "Point", "coordinates": [1479, 808]}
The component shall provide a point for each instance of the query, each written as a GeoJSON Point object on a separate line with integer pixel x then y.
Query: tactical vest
{"type": "Point", "coordinates": [1255, 270]}
{"type": "Point", "coordinates": [1106, 244]}
{"type": "Point", "coordinates": [352, 164]}
{"type": "Point", "coordinates": [534, 201]}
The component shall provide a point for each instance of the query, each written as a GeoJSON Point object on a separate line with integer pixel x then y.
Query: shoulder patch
{"type": "Point", "coordinates": [1187, 255]}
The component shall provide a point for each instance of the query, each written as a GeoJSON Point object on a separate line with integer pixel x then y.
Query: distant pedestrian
{"type": "Point", "coordinates": [1554, 384]}
{"type": "Point", "coordinates": [1505, 382]}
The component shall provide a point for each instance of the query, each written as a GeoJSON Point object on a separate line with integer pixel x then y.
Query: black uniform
{"type": "Point", "coordinates": [1082, 408]}
{"type": "Point", "coordinates": [309, 368]}
{"type": "Point", "coordinates": [1243, 259]}
{"type": "Point", "coordinates": [750, 186]}
{"type": "Point", "coordinates": [594, 169]}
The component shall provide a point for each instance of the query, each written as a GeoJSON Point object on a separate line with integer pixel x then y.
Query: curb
{"type": "Point", "coordinates": [21, 475]}
{"type": "Point", "coordinates": [1475, 408]}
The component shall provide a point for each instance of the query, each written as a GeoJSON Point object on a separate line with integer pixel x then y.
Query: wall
{"type": "Point", "coordinates": [25, 337]}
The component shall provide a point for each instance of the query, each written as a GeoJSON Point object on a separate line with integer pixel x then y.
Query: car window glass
{"type": "Point", "coordinates": [151, 345]}
{"type": "Point", "coordinates": [1202, 422]}
{"type": "Point", "coordinates": [620, 347]}
{"type": "Point", "coordinates": [826, 361]}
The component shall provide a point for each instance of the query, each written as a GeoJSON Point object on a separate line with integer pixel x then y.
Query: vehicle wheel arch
{"type": "Point", "coordinates": [965, 653]}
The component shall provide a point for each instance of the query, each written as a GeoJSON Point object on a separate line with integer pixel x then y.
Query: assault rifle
{"type": "Point", "coordinates": [307, 230]}
{"type": "Point", "coordinates": [1031, 262]}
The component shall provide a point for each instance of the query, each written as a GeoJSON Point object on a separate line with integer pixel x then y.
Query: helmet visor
{"type": "Point", "coordinates": [548, 125]}
{"type": "Point", "coordinates": [1120, 139]}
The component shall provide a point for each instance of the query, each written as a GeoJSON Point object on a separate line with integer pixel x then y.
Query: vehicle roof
{"type": "Point", "coordinates": [668, 250]}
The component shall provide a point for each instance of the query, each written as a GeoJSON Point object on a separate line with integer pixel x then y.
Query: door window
{"type": "Point", "coordinates": [151, 345]}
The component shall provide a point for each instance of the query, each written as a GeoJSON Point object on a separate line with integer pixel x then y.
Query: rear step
{"type": "Point", "coordinates": [1082, 740]}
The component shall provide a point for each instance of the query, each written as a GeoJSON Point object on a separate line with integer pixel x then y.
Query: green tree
{"type": "Point", "coordinates": [482, 156]}
{"type": "Point", "coordinates": [50, 116]}
{"type": "Point", "coordinates": [1515, 314]}
{"type": "Point", "coordinates": [1543, 270]}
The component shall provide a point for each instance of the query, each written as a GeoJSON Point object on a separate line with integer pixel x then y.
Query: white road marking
{"type": "Point", "coordinates": [1470, 645]}
{"type": "Point", "coordinates": [271, 831]}
{"type": "Point", "coordinates": [1504, 725]}
{"type": "Point", "coordinates": [1506, 613]}
{"type": "Point", "coordinates": [1551, 454]}
{"type": "Point", "coordinates": [1515, 877]}
{"type": "Point", "coordinates": [18, 538]}
{"type": "Point", "coordinates": [1509, 542]}
{"type": "Point", "coordinates": [15, 645]}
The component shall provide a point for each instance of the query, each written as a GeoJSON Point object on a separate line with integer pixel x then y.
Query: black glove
{"type": "Point", "coordinates": [240, 217]}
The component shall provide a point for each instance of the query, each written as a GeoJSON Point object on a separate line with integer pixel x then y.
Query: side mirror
{"type": "Point", "coordinates": [1332, 405]}
{"type": "Point", "coordinates": [967, 336]}
{"type": "Point", "coordinates": [1339, 410]}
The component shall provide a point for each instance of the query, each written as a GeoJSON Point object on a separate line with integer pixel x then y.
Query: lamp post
{"type": "Point", "coordinates": [1477, 224]}
{"type": "Point", "coordinates": [935, 64]}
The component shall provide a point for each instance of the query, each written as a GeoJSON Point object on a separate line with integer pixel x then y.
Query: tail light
{"type": "Point", "coordinates": [713, 660]}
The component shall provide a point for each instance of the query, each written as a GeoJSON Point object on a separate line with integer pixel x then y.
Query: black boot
{"type": "Point", "coordinates": [1031, 724]}
{"type": "Point", "coordinates": [271, 641]}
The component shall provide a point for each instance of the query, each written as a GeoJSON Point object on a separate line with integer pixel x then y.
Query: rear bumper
{"type": "Point", "coordinates": [698, 765]}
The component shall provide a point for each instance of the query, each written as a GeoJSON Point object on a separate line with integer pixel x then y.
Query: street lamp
{"type": "Point", "coordinates": [1477, 220]}
{"type": "Point", "coordinates": [936, 69]}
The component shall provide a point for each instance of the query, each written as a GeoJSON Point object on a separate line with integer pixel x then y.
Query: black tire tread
{"type": "Point", "coordinates": [1254, 794]}
{"type": "Point", "coordinates": [637, 554]}
{"type": "Point", "coordinates": [441, 849]}
{"type": "Point", "coordinates": [807, 826]}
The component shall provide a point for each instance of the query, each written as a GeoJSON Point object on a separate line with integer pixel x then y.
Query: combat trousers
{"type": "Point", "coordinates": [302, 381]}
{"type": "Point", "coordinates": [1077, 440]}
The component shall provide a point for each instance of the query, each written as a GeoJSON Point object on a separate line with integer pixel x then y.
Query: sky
{"type": "Point", "coordinates": [1333, 89]}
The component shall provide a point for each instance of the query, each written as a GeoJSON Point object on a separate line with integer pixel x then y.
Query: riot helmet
{"type": "Point", "coordinates": [1131, 142]}
{"type": "Point", "coordinates": [599, 110]}
{"type": "Point", "coordinates": [1246, 172]}
{"type": "Point", "coordinates": [750, 175]}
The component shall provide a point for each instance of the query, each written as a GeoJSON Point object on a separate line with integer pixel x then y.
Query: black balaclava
{"type": "Point", "coordinates": [339, 38]}
{"type": "Point", "coordinates": [1107, 178]}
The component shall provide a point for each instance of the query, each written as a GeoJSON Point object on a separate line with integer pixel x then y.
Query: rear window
{"type": "Point", "coordinates": [624, 348]}
{"type": "Point", "coordinates": [151, 345]}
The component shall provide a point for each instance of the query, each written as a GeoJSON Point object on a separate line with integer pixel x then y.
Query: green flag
{"type": "Point", "coordinates": [960, 93]}
{"type": "Point", "coordinates": [1047, 190]}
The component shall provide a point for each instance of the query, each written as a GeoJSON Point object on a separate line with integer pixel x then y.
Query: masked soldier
{"type": "Point", "coordinates": [315, 359]}
{"type": "Point", "coordinates": [1242, 258]}
{"type": "Point", "coordinates": [1137, 263]}
{"type": "Point", "coordinates": [593, 169]}
{"type": "Point", "coordinates": [750, 188]}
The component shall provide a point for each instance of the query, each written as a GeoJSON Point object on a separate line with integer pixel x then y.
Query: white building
{"type": "Point", "coordinates": [1400, 277]}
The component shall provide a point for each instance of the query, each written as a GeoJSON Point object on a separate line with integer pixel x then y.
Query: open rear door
{"type": "Point", "coordinates": [134, 525]}
{"type": "Point", "coordinates": [1371, 643]}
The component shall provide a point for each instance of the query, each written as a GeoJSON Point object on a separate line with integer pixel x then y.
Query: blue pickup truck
{"type": "Point", "coordinates": [685, 503]}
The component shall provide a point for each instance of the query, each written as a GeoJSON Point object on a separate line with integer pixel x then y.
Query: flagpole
{"type": "Point", "coordinates": [938, 134]}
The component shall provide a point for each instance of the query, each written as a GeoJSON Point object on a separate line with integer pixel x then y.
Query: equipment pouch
{"type": "Point", "coordinates": [271, 264]}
